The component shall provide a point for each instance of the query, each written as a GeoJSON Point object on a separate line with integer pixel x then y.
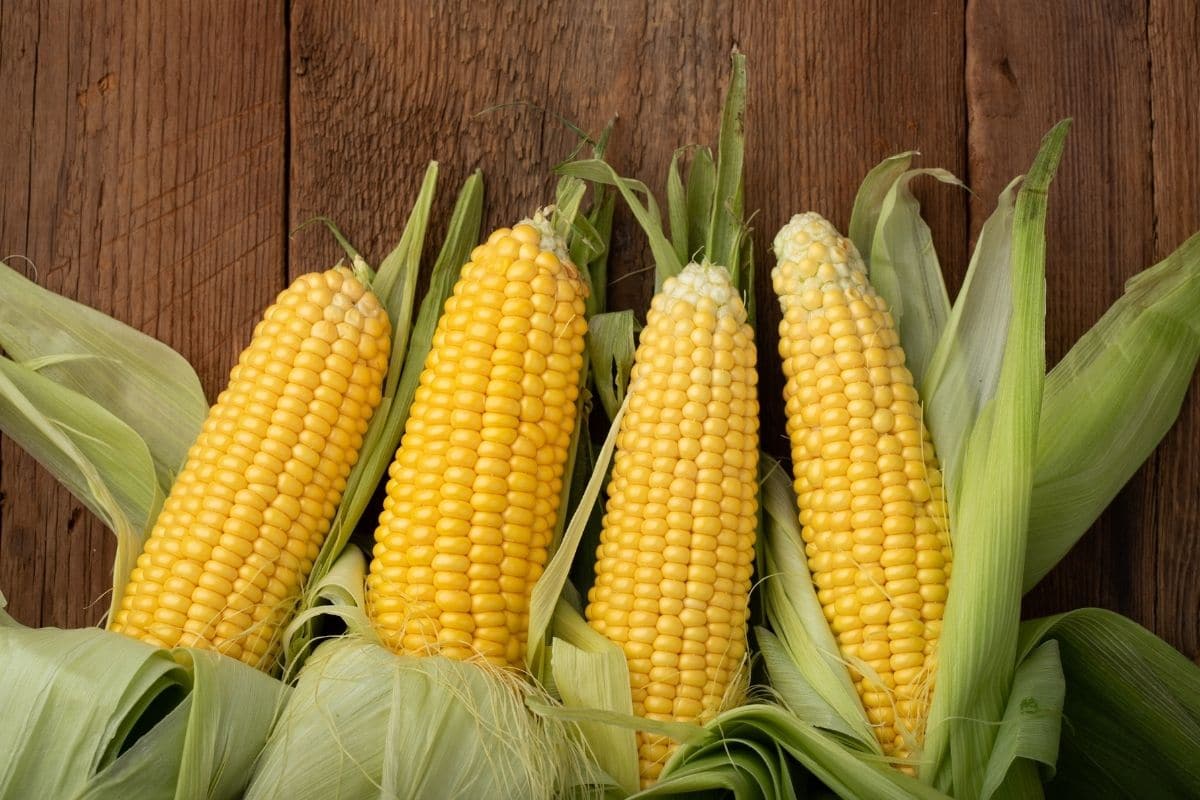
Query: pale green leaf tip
{"type": "Point", "coordinates": [362, 270]}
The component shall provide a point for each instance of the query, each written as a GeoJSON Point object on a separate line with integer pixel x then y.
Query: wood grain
{"type": "Point", "coordinates": [378, 93]}
{"type": "Point", "coordinates": [155, 158]}
{"type": "Point", "coordinates": [1029, 64]}
{"type": "Point", "coordinates": [146, 179]}
{"type": "Point", "coordinates": [1174, 33]}
{"type": "Point", "coordinates": [820, 117]}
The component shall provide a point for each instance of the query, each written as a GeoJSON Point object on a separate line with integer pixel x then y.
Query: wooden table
{"type": "Point", "coordinates": [155, 156]}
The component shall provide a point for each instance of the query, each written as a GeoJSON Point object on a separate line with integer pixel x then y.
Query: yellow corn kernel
{"type": "Point", "coordinates": [473, 493]}
{"type": "Point", "coordinates": [882, 572]}
{"type": "Point", "coordinates": [216, 575]}
{"type": "Point", "coordinates": [673, 575]}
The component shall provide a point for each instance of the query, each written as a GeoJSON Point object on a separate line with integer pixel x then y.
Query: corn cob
{"type": "Point", "coordinates": [244, 521]}
{"type": "Point", "coordinates": [677, 547]}
{"type": "Point", "coordinates": [870, 493]}
{"type": "Point", "coordinates": [473, 492]}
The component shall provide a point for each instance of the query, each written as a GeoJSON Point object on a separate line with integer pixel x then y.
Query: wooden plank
{"type": "Point", "coordinates": [1174, 31]}
{"type": "Point", "coordinates": [377, 91]}
{"type": "Point", "coordinates": [147, 182]}
{"type": "Point", "coordinates": [1028, 65]}
{"type": "Point", "coordinates": [380, 90]}
{"type": "Point", "coordinates": [822, 114]}
{"type": "Point", "coordinates": [22, 558]}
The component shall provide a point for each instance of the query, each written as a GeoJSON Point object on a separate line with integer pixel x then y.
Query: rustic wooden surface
{"type": "Point", "coordinates": [156, 158]}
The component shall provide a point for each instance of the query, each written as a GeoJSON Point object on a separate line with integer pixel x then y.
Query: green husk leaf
{"type": "Point", "coordinates": [741, 767]}
{"type": "Point", "coordinates": [746, 285]}
{"type": "Point", "coordinates": [701, 194]}
{"type": "Point", "coordinates": [679, 731]}
{"type": "Point", "coordinates": [648, 216]}
{"type": "Point", "coordinates": [578, 435]}
{"type": "Point", "coordinates": [546, 592]}
{"type": "Point", "coordinates": [387, 425]}
{"type": "Point", "coordinates": [339, 593]}
{"type": "Point", "coordinates": [848, 772]}
{"type": "Point", "coordinates": [864, 219]}
{"type": "Point", "coordinates": [1029, 732]}
{"type": "Point", "coordinates": [568, 198]}
{"type": "Point", "coordinates": [582, 574]}
{"type": "Point", "coordinates": [590, 672]}
{"type": "Point", "coordinates": [726, 228]}
{"type": "Point", "coordinates": [395, 283]}
{"type": "Point", "coordinates": [232, 708]}
{"type": "Point", "coordinates": [740, 770]}
{"type": "Point", "coordinates": [611, 345]}
{"type": "Point", "coordinates": [600, 217]}
{"type": "Point", "coordinates": [101, 460]}
{"type": "Point", "coordinates": [462, 234]}
{"type": "Point", "coordinates": [93, 714]}
{"type": "Point", "coordinates": [41, 362]}
{"type": "Point", "coordinates": [904, 269]}
{"type": "Point", "coordinates": [119, 368]}
{"type": "Point", "coordinates": [794, 691]}
{"type": "Point", "coordinates": [989, 512]}
{"type": "Point", "coordinates": [586, 243]}
{"type": "Point", "coordinates": [587, 235]}
{"type": "Point", "coordinates": [1131, 724]}
{"type": "Point", "coordinates": [677, 210]}
{"type": "Point", "coordinates": [965, 370]}
{"type": "Point", "coordinates": [364, 722]}
{"type": "Point", "coordinates": [796, 616]}
{"type": "Point", "coordinates": [1110, 401]}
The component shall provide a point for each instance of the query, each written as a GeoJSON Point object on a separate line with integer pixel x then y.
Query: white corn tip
{"type": "Point", "coordinates": [813, 256]}
{"type": "Point", "coordinates": [705, 281]}
{"type": "Point", "coordinates": [551, 241]}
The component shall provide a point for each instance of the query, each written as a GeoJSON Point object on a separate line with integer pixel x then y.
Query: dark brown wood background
{"type": "Point", "coordinates": [155, 156]}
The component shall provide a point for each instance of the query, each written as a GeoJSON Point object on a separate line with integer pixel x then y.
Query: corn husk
{"type": "Point", "coordinates": [119, 367]}
{"type": "Point", "coordinates": [74, 387]}
{"type": "Point", "coordinates": [365, 722]}
{"type": "Point", "coordinates": [989, 474]}
{"type": "Point", "coordinates": [726, 230]}
{"type": "Point", "coordinates": [104, 463]}
{"type": "Point", "coordinates": [1110, 401]}
{"type": "Point", "coordinates": [588, 672]}
{"type": "Point", "coordinates": [890, 234]}
{"type": "Point", "coordinates": [1131, 724]}
{"type": "Point", "coordinates": [611, 345]}
{"type": "Point", "coordinates": [91, 714]}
